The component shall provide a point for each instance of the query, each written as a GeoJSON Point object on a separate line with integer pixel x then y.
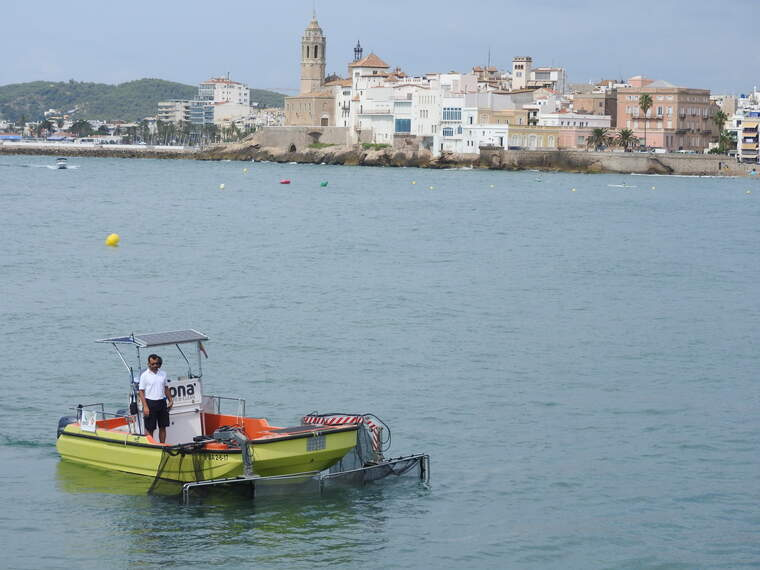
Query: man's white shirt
{"type": "Point", "coordinates": [153, 384]}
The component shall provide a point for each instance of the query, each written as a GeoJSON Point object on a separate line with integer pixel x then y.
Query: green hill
{"type": "Point", "coordinates": [131, 101]}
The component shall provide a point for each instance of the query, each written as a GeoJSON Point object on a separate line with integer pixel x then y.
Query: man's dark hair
{"type": "Point", "coordinates": [155, 357]}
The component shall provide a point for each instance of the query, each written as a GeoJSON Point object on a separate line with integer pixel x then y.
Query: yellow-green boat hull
{"type": "Point", "coordinates": [109, 449]}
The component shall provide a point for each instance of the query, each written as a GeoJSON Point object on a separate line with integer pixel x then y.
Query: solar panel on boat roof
{"type": "Point", "coordinates": [173, 337]}
{"type": "Point", "coordinates": [159, 339]}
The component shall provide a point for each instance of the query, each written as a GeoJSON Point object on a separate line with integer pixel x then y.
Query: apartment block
{"type": "Point", "coordinates": [174, 111]}
{"type": "Point", "coordinates": [680, 118]}
{"type": "Point", "coordinates": [748, 146]}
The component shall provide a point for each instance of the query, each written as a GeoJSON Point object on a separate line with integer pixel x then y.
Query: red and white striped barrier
{"type": "Point", "coordinates": [337, 420]}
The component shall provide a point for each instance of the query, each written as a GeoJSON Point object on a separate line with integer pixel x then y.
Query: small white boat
{"type": "Point", "coordinates": [61, 163]}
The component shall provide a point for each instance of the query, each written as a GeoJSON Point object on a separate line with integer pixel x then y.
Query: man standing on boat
{"type": "Point", "coordinates": [154, 394]}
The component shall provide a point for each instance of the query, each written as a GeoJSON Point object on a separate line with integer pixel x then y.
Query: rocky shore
{"type": "Point", "coordinates": [492, 159]}
{"type": "Point", "coordinates": [360, 155]}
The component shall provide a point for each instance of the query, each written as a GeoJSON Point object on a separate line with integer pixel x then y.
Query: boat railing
{"type": "Point", "coordinates": [132, 421]}
{"type": "Point", "coordinates": [224, 405]}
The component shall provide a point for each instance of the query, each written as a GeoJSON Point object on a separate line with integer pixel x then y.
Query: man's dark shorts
{"type": "Point", "coordinates": [159, 412]}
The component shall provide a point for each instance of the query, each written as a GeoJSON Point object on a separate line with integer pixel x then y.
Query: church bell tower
{"type": "Point", "coordinates": [313, 57]}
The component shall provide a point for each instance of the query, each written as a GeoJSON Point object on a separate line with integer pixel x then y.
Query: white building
{"type": "Point", "coordinates": [226, 113]}
{"type": "Point", "coordinates": [174, 111]}
{"type": "Point", "coordinates": [524, 75]}
{"type": "Point", "coordinates": [566, 119]}
{"type": "Point", "coordinates": [223, 90]}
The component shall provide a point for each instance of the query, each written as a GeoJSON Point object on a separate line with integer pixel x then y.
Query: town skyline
{"type": "Point", "coordinates": [683, 44]}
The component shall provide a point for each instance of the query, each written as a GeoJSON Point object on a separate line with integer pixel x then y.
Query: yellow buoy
{"type": "Point", "coordinates": [432, 187]}
{"type": "Point", "coordinates": [221, 187]}
{"type": "Point", "coordinates": [573, 189]}
{"type": "Point", "coordinates": [245, 171]}
{"type": "Point", "coordinates": [749, 192]}
{"type": "Point", "coordinates": [414, 182]}
{"type": "Point", "coordinates": [113, 240]}
{"type": "Point", "coordinates": [491, 185]}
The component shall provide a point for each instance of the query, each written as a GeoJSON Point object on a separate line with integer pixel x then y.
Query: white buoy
{"type": "Point", "coordinates": [221, 187]}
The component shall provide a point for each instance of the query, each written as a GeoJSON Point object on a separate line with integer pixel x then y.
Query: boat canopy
{"type": "Point", "coordinates": [158, 339]}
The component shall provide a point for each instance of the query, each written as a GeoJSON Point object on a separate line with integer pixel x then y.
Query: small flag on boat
{"type": "Point", "coordinates": [202, 349]}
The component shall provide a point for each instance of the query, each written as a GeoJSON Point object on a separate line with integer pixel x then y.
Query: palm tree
{"type": "Point", "coordinates": [720, 118]}
{"type": "Point", "coordinates": [645, 103]}
{"type": "Point", "coordinates": [599, 139]}
{"type": "Point", "coordinates": [626, 139]}
{"type": "Point", "coordinates": [81, 128]}
{"type": "Point", "coordinates": [726, 141]}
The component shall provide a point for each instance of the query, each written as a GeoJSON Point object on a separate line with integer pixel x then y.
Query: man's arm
{"type": "Point", "coordinates": [168, 395]}
{"type": "Point", "coordinates": [146, 409]}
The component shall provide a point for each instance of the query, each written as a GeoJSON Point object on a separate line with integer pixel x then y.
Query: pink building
{"type": "Point", "coordinates": [680, 118]}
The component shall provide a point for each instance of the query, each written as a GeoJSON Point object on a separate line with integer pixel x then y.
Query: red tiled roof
{"type": "Point", "coordinates": [370, 61]}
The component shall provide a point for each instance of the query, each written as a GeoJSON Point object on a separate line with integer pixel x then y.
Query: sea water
{"type": "Point", "coordinates": [580, 360]}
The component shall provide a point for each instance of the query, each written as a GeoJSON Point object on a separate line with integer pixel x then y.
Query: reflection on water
{"type": "Point", "coordinates": [340, 522]}
{"type": "Point", "coordinates": [336, 526]}
{"type": "Point", "coordinates": [76, 478]}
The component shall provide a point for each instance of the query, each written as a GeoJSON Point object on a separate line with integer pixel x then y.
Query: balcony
{"type": "Point", "coordinates": [377, 111]}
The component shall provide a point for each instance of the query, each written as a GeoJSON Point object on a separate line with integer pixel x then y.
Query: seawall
{"type": "Point", "coordinates": [98, 150]}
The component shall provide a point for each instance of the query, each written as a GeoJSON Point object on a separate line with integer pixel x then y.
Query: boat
{"type": "Point", "coordinates": [61, 163]}
{"type": "Point", "coordinates": [205, 446]}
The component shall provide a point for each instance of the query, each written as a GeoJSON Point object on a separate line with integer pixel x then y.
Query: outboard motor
{"type": "Point", "coordinates": [63, 422]}
{"type": "Point", "coordinates": [232, 435]}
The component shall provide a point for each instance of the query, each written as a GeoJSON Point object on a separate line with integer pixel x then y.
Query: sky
{"type": "Point", "coordinates": [692, 43]}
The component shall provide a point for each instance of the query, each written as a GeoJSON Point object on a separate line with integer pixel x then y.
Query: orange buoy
{"type": "Point", "coordinates": [285, 181]}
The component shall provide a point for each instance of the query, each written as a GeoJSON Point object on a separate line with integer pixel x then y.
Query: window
{"type": "Point", "coordinates": [403, 125]}
{"type": "Point", "coordinates": [471, 119]}
{"type": "Point", "coordinates": [452, 113]}
{"type": "Point", "coordinates": [459, 130]}
{"type": "Point", "coordinates": [448, 132]}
